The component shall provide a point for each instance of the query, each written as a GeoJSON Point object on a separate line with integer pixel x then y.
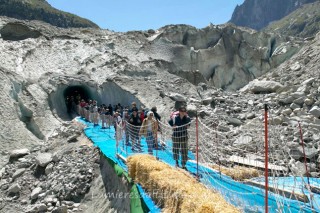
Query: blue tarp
{"type": "Point", "coordinates": [248, 198]}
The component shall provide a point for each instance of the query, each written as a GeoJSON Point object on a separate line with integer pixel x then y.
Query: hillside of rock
{"type": "Point", "coordinates": [41, 10]}
{"type": "Point", "coordinates": [303, 22]}
{"type": "Point", "coordinates": [224, 73]}
{"type": "Point", "coordinates": [257, 14]}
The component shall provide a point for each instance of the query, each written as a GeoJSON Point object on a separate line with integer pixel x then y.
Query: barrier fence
{"type": "Point", "coordinates": [251, 172]}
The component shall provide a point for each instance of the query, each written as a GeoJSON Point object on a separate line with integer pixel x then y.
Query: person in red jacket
{"type": "Point", "coordinates": [82, 106]}
{"type": "Point", "coordinates": [141, 114]}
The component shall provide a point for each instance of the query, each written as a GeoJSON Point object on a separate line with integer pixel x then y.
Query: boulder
{"type": "Point", "coordinates": [60, 209]}
{"type": "Point", "coordinates": [37, 208]}
{"type": "Point", "coordinates": [298, 168]}
{"type": "Point", "coordinates": [294, 106]}
{"type": "Point", "coordinates": [310, 152]}
{"type": "Point", "coordinates": [207, 101]}
{"type": "Point", "coordinates": [35, 192]}
{"type": "Point", "coordinates": [315, 126]}
{"type": "Point", "coordinates": [275, 120]}
{"type": "Point", "coordinates": [315, 111]}
{"type": "Point", "coordinates": [18, 173]}
{"type": "Point", "coordinates": [177, 97]}
{"type": "Point", "coordinates": [233, 121]}
{"type": "Point", "coordinates": [295, 67]}
{"type": "Point", "coordinates": [293, 145]}
{"type": "Point", "coordinates": [237, 109]}
{"type": "Point", "coordinates": [295, 153]}
{"type": "Point", "coordinates": [43, 159]}
{"type": "Point", "coordinates": [257, 86]}
{"type": "Point", "coordinates": [296, 95]}
{"type": "Point", "coordinates": [309, 101]}
{"type": "Point", "coordinates": [299, 101]}
{"type": "Point", "coordinates": [287, 111]}
{"type": "Point", "coordinates": [304, 89]}
{"type": "Point", "coordinates": [2, 171]}
{"type": "Point", "coordinates": [286, 100]}
{"type": "Point", "coordinates": [251, 115]}
{"type": "Point", "coordinates": [49, 168]}
{"type": "Point", "coordinates": [73, 138]}
{"type": "Point", "coordinates": [223, 128]}
{"type": "Point", "coordinates": [14, 188]}
{"type": "Point", "coordinates": [42, 207]}
{"type": "Point", "coordinates": [19, 153]}
{"type": "Point", "coordinates": [56, 157]}
{"type": "Point", "coordinates": [309, 81]}
{"type": "Point", "coordinates": [243, 140]}
{"type": "Point", "coordinates": [192, 110]}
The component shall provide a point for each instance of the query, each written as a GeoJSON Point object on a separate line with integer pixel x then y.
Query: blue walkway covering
{"type": "Point", "coordinates": [246, 197]}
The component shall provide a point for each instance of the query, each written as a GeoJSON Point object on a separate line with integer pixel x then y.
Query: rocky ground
{"type": "Point", "coordinates": [292, 94]}
{"type": "Point", "coordinates": [55, 177]}
{"type": "Point", "coordinates": [56, 167]}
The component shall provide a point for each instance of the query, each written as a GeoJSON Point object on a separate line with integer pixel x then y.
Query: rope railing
{"type": "Point", "coordinates": [231, 163]}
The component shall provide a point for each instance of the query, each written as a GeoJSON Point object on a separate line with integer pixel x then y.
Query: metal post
{"type": "Point", "coordinates": [156, 140]}
{"type": "Point", "coordinates": [197, 144]}
{"type": "Point", "coordinates": [304, 153]}
{"type": "Point", "coordinates": [266, 155]}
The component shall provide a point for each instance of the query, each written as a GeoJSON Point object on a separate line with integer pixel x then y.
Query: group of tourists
{"type": "Point", "coordinates": [138, 123]}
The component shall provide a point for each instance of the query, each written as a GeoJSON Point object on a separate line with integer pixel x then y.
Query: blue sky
{"type": "Point", "coordinates": [125, 15]}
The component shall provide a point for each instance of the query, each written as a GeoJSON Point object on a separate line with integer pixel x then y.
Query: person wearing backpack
{"type": "Point", "coordinates": [157, 117]}
{"type": "Point", "coordinates": [180, 124]}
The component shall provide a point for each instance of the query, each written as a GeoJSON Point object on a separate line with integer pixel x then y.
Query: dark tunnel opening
{"type": "Point", "coordinates": [74, 91]}
{"type": "Point", "coordinates": [63, 101]}
{"type": "Point", "coordinates": [72, 96]}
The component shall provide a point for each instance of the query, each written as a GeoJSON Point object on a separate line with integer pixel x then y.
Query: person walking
{"type": "Point", "coordinates": [135, 124]}
{"type": "Point", "coordinates": [95, 113]}
{"type": "Point", "coordinates": [155, 113]}
{"type": "Point", "coordinates": [116, 120]}
{"type": "Point", "coordinates": [102, 112]}
{"type": "Point", "coordinates": [125, 120]}
{"type": "Point", "coordinates": [180, 124]}
{"type": "Point", "coordinates": [149, 129]}
{"type": "Point", "coordinates": [157, 117]}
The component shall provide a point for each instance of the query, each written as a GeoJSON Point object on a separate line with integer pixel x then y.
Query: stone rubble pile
{"type": "Point", "coordinates": [48, 182]}
{"type": "Point", "coordinates": [292, 93]}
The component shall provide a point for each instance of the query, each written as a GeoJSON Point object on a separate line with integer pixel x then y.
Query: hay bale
{"type": "Point", "coordinates": [238, 173]}
{"type": "Point", "coordinates": [174, 190]}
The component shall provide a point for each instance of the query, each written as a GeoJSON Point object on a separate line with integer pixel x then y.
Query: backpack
{"type": "Point", "coordinates": [146, 110]}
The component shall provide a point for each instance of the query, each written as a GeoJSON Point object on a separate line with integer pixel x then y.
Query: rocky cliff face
{"type": "Point", "coordinates": [42, 64]}
{"type": "Point", "coordinates": [303, 22]}
{"type": "Point", "coordinates": [222, 56]}
{"type": "Point", "coordinates": [257, 14]}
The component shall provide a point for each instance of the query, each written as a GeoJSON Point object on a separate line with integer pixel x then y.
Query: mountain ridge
{"type": "Point", "coordinates": [303, 22]}
{"type": "Point", "coordinates": [43, 11]}
{"type": "Point", "coordinates": [257, 14]}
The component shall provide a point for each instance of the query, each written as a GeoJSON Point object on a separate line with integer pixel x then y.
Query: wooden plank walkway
{"type": "Point", "coordinates": [289, 194]}
{"type": "Point", "coordinates": [255, 163]}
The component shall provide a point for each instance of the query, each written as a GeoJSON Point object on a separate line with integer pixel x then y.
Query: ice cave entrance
{"type": "Point", "coordinates": [107, 93]}
{"type": "Point", "coordinates": [63, 100]}
{"type": "Point", "coordinates": [74, 91]}
{"type": "Point", "coordinates": [72, 95]}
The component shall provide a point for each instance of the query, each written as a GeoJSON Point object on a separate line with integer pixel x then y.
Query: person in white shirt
{"type": "Point", "coordinates": [149, 130]}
